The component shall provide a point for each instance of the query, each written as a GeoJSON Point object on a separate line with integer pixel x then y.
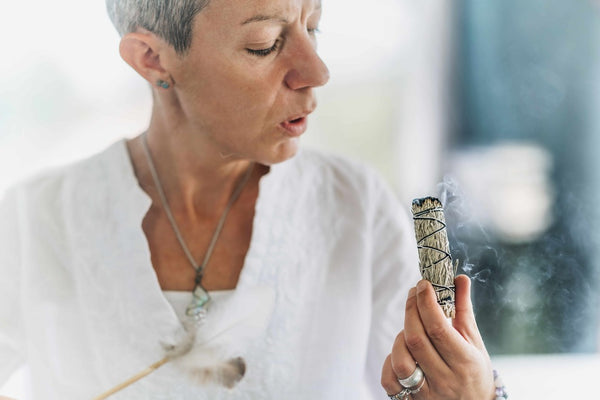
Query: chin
{"type": "Point", "coordinates": [283, 151]}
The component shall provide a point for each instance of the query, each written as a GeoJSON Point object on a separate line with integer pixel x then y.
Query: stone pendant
{"type": "Point", "coordinates": [198, 306]}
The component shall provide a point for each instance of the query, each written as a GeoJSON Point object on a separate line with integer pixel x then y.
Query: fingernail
{"type": "Point", "coordinates": [422, 285]}
{"type": "Point", "coordinates": [412, 292]}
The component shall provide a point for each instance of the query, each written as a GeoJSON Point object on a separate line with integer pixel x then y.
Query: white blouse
{"type": "Point", "coordinates": [82, 306]}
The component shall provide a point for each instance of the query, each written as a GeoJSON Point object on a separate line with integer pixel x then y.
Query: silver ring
{"type": "Point", "coordinates": [414, 379]}
{"type": "Point", "coordinates": [403, 395]}
{"type": "Point", "coordinates": [418, 388]}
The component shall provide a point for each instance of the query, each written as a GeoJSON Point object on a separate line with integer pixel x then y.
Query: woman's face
{"type": "Point", "coordinates": [247, 81]}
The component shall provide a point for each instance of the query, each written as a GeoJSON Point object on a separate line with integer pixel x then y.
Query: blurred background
{"type": "Point", "coordinates": [492, 105]}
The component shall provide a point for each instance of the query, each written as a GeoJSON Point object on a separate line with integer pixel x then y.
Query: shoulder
{"type": "Point", "coordinates": [345, 174]}
{"type": "Point", "coordinates": [319, 160]}
{"type": "Point", "coordinates": [340, 186]}
{"type": "Point", "coordinates": [51, 189]}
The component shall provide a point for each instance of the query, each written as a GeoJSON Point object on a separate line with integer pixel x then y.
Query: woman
{"type": "Point", "coordinates": [106, 262]}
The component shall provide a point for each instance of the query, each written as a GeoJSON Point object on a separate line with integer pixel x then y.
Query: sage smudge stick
{"type": "Point", "coordinates": [435, 260]}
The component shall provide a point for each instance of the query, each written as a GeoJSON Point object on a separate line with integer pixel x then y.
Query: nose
{"type": "Point", "coordinates": [307, 69]}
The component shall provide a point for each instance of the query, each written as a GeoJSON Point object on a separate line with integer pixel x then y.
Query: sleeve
{"type": "Point", "coordinates": [10, 311]}
{"type": "Point", "coordinates": [394, 271]}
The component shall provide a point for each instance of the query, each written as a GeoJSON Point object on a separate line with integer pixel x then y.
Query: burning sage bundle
{"type": "Point", "coordinates": [435, 260]}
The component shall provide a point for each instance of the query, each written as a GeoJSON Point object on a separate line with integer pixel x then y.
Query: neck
{"type": "Point", "coordinates": [196, 181]}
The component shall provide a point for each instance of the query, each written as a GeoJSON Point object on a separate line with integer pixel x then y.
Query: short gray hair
{"type": "Point", "coordinates": [171, 20]}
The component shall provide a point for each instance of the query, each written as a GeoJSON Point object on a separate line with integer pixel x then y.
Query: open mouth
{"type": "Point", "coordinates": [295, 127]}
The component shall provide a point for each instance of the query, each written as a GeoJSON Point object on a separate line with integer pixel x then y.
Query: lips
{"type": "Point", "coordinates": [296, 125]}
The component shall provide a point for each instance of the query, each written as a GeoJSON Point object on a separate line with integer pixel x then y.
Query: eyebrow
{"type": "Point", "coordinates": [262, 17]}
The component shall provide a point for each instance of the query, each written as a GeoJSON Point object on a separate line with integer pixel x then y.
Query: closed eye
{"type": "Point", "coordinates": [264, 52]}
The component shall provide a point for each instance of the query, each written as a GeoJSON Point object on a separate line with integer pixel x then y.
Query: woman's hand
{"type": "Point", "coordinates": [452, 356]}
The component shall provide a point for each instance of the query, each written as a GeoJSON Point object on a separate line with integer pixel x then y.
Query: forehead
{"type": "Point", "coordinates": [241, 10]}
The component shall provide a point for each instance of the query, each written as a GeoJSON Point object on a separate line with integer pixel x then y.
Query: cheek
{"type": "Point", "coordinates": [232, 93]}
{"type": "Point", "coordinates": [240, 97]}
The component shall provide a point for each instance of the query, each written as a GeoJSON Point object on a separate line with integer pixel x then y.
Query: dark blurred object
{"type": "Point", "coordinates": [529, 70]}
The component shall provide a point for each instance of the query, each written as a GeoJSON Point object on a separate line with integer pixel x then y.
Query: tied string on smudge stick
{"type": "Point", "coordinates": [435, 260]}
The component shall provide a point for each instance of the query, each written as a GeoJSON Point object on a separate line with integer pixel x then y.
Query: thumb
{"type": "Point", "coordinates": [464, 322]}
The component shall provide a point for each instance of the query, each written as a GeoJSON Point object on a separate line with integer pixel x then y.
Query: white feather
{"type": "Point", "coordinates": [214, 351]}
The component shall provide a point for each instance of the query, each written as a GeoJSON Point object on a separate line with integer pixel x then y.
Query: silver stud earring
{"type": "Point", "coordinates": [163, 84]}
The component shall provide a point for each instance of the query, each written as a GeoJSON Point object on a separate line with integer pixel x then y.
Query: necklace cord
{"type": "Point", "coordinates": [163, 199]}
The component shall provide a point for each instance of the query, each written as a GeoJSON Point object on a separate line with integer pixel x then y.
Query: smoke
{"type": "Point", "coordinates": [461, 229]}
{"type": "Point", "coordinates": [529, 297]}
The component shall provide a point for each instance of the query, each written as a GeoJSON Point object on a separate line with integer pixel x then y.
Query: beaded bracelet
{"type": "Point", "coordinates": [500, 388]}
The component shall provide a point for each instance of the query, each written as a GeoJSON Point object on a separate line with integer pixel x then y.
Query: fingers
{"type": "Point", "coordinates": [400, 365]}
{"type": "Point", "coordinates": [418, 341]}
{"type": "Point", "coordinates": [389, 380]}
{"type": "Point", "coordinates": [451, 355]}
{"type": "Point", "coordinates": [465, 318]}
{"type": "Point", "coordinates": [448, 343]}
{"type": "Point", "coordinates": [464, 308]}
{"type": "Point", "coordinates": [403, 363]}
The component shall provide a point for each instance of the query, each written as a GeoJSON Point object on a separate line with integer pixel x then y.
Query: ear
{"type": "Point", "coordinates": [148, 55]}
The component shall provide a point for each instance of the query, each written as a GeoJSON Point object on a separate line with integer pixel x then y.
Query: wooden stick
{"type": "Point", "coordinates": [133, 379]}
{"type": "Point", "coordinates": [435, 260]}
